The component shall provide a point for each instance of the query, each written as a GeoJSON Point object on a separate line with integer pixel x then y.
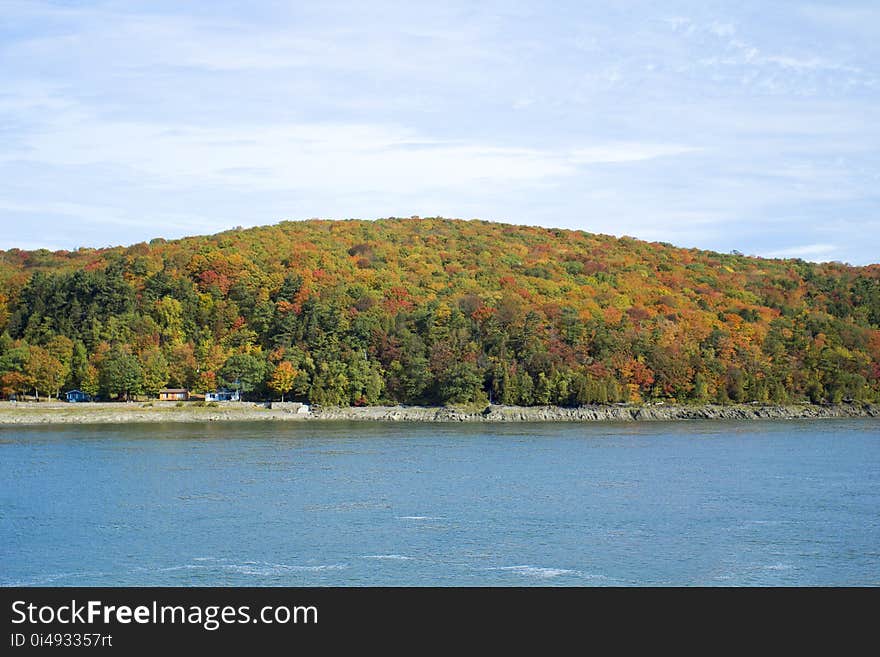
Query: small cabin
{"type": "Point", "coordinates": [77, 396]}
{"type": "Point", "coordinates": [223, 395]}
{"type": "Point", "coordinates": [173, 394]}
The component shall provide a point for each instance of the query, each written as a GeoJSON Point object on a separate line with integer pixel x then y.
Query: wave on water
{"type": "Point", "coordinates": [536, 571]}
{"type": "Point", "coordinates": [420, 517]}
{"type": "Point", "coordinates": [171, 569]}
{"type": "Point", "coordinates": [254, 568]}
{"type": "Point", "coordinates": [389, 557]}
{"type": "Point", "coordinates": [779, 566]}
{"type": "Point", "coordinates": [348, 506]}
{"type": "Point", "coordinates": [51, 578]}
{"type": "Point", "coordinates": [264, 569]}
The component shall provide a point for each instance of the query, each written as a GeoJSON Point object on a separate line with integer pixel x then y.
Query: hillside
{"type": "Point", "coordinates": [437, 311]}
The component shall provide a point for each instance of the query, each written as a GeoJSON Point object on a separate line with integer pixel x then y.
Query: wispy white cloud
{"type": "Point", "coordinates": [312, 156]}
{"type": "Point", "coordinates": [726, 48]}
{"type": "Point", "coordinates": [809, 251]}
{"type": "Point", "coordinates": [628, 152]}
{"type": "Point", "coordinates": [723, 127]}
{"type": "Point", "coordinates": [307, 156]}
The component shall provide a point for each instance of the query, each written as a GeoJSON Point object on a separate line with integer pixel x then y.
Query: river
{"type": "Point", "coordinates": [350, 504]}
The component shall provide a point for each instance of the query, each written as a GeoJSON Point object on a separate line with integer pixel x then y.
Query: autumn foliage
{"type": "Point", "coordinates": [437, 311]}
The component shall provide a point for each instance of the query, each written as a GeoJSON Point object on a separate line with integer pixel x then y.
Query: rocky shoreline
{"type": "Point", "coordinates": [123, 413]}
{"type": "Point", "coordinates": [623, 413]}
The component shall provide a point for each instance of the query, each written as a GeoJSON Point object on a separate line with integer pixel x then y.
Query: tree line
{"type": "Point", "coordinates": [436, 312]}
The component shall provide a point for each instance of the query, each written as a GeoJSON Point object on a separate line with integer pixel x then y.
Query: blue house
{"type": "Point", "coordinates": [223, 394]}
{"type": "Point", "coordinates": [77, 396]}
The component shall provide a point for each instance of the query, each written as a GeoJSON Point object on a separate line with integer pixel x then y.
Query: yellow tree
{"type": "Point", "coordinates": [283, 378]}
{"type": "Point", "coordinates": [45, 372]}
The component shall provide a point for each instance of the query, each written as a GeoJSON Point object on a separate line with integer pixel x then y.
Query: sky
{"type": "Point", "coordinates": [747, 125]}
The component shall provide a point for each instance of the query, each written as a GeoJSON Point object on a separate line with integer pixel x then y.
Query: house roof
{"type": "Point", "coordinates": [173, 390]}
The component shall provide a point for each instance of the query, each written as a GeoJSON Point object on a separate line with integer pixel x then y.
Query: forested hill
{"type": "Point", "coordinates": [437, 311]}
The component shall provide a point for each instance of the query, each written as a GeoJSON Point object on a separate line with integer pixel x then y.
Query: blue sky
{"type": "Point", "coordinates": [724, 125]}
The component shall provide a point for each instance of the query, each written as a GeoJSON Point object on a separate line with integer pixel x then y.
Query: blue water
{"type": "Point", "coordinates": [302, 504]}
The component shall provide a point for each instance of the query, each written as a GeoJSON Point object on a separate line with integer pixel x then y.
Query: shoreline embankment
{"type": "Point", "coordinates": [28, 413]}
